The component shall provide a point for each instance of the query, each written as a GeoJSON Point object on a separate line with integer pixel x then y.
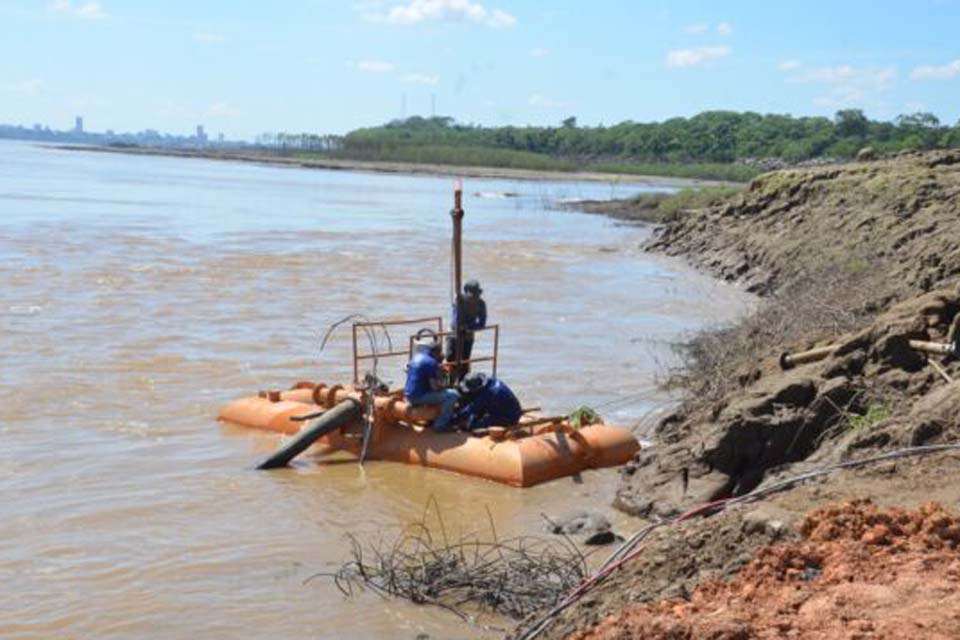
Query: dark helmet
{"type": "Point", "coordinates": [472, 286]}
{"type": "Point", "coordinates": [475, 382]}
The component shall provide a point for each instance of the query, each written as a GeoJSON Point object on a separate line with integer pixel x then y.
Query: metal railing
{"type": "Point", "coordinates": [435, 321]}
{"type": "Point", "coordinates": [491, 358]}
{"type": "Point", "coordinates": [373, 354]}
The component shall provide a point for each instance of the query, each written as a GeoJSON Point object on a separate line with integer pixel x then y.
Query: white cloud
{"type": "Point", "coordinates": [417, 11]}
{"type": "Point", "coordinates": [939, 72]}
{"type": "Point", "coordinates": [222, 110]}
{"type": "Point", "coordinates": [697, 56]}
{"type": "Point", "coordinates": [375, 66]}
{"type": "Point", "coordinates": [90, 11]}
{"type": "Point", "coordinates": [539, 52]}
{"type": "Point", "coordinates": [83, 10]}
{"type": "Point", "coordinates": [840, 97]}
{"type": "Point", "coordinates": [27, 88]}
{"type": "Point", "coordinates": [700, 28]}
{"type": "Point", "coordinates": [789, 65]}
{"type": "Point", "coordinates": [846, 85]}
{"type": "Point", "coordinates": [209, 37]}
{"type": "Point", "coordinates": [421, 78]}
{"type": "Point", "coordinates": [846, 75]}
{"type": "Point", "coordinates": [501, 19]}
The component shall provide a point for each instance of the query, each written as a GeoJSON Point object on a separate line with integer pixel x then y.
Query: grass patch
{"type": "Point", "coordinates": [457, 156]}
{"type": "Point", "coordinates": [658, 208]}
{"type": "Point", "coordinates": [874, 414]}
{"type": "Point", "coordinates": [472, 156]}
{"type": "Point", "coordinates": [700, 170]}
{"type": "Point", "coordinates": [673, 205]}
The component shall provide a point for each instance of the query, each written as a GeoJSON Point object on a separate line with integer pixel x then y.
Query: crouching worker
{"type": "Point", "coordinates": [488, 402]}
{"type": "Point", "coordinates": [424, 382]}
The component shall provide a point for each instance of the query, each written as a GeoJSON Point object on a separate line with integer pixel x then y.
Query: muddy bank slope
{"type": "Point", "coordinates": [897, 214]}
{"type": "Point", "coordinates": [864, 257]}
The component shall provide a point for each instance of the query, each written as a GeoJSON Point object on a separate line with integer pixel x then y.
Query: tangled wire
{"type": "Point", "coordinates": [514, 577]}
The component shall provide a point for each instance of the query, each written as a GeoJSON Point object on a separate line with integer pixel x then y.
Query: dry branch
{"type": "Point", "coordinates": [513, 577]}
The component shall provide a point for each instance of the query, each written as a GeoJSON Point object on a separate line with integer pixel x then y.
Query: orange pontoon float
{"type": "Point", "coordinates": [374, 423]}
{"type": "Point", "coordinates": [521, 456]}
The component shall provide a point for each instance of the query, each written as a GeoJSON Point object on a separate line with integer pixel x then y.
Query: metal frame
{"type": "Point", "coordinates": [441, 334]}
{"type": "Point", "coordinates": [496, 346]}
{"type": "Point", "coordinates": [357, 356]}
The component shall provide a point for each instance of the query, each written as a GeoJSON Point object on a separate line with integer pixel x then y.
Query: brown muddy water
{"type": "Point", "coordinates": [139, 294]}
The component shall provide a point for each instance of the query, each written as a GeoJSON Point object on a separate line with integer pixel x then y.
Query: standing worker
{"type": "Point", "coordinates": [424, 383]}
{"type": "Point", "coordinates": [488, 402]}
{"type": "Point", "coordinates": [471, 316]}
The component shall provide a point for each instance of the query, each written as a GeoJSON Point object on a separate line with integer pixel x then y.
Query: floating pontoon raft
{"type": "Point", "coordinates": [373, 423]}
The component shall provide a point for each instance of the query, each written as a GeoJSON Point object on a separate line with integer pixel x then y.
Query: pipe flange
{"type": "Point", "coordinates": [332, 395]}
{"type": "Point", "coordinates": [785, 362]}
{"type": "Point", "coordinates": [317, 395]}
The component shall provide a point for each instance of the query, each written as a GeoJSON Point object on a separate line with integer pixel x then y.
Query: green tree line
{"type": "Point", "coordinates": [709, 137]}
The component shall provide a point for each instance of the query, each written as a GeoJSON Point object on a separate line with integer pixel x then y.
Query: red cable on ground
{"type": "Point", "coordinates": [575, 595]}
{"type": "Point", "coordinates": [602, 575]}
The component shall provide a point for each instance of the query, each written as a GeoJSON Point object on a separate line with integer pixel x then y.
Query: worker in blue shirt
{"type": "Point", "coordinates": [471, 316]}
{"type": "Point", "coordinates": [424, 381]}
{"type": "Point", "coordinates": [488, 402]}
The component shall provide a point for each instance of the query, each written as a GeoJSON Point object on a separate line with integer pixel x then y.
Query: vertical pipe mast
{"type": "Point", "coordinates": [457, 215]}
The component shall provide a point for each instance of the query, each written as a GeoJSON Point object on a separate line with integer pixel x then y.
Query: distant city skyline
{"type": "Point", "coordinates": [326, 66]}
{"type": "Point", "coordinates": [80, 134]}
{"type": "Point", "coordinates": [80, 126]}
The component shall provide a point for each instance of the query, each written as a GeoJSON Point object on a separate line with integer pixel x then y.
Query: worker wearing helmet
{"type": "Point", "coordinates": [471, 316]}
{"type": "Point", "coordinates": [424, 381]}
{"type": "Point", "coordinates": [488, 402]}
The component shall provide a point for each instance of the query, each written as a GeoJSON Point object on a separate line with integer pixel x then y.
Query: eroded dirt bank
{"type": "Point", "coordinates": [856, 572]}
{"type": "Point", "coordinates": [863, 257]}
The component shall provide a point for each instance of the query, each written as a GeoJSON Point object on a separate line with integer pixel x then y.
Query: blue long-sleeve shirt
{"type": "Point", "coordinates": [493, 405]}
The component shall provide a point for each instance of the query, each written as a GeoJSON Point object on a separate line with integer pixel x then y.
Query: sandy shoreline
{"type": "Point", "coordinates": [406, 168]}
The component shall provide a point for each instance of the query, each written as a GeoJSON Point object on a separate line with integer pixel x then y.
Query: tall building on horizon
{"type": "Point", "coordinates": [78, 125]}
{"type": "Point", "coordinates": [201, 135]}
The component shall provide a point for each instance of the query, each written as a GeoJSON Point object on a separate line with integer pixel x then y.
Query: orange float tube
{"type": "Point", "coordinates": [550, 452]}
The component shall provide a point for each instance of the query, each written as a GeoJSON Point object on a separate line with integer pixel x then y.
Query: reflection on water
{"type": "Point", "coordinates": [137, 295]}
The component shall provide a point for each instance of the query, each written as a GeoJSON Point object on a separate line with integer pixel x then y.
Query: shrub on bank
{"type": "Point", "coordinates": [700, 170]}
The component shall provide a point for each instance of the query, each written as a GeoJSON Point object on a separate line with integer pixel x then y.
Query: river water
{"type": "Point", "coordinates": [139, 294]}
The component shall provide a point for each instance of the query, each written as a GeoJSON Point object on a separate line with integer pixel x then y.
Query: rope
{"type": "Point", "coordinates": [629, 550]}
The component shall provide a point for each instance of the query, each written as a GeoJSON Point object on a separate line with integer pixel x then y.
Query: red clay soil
{"type": "Point", "coordinates": [860, 573]}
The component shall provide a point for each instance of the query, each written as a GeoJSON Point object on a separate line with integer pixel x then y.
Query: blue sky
{"type": "Point", "coordinates": [244, 67]}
